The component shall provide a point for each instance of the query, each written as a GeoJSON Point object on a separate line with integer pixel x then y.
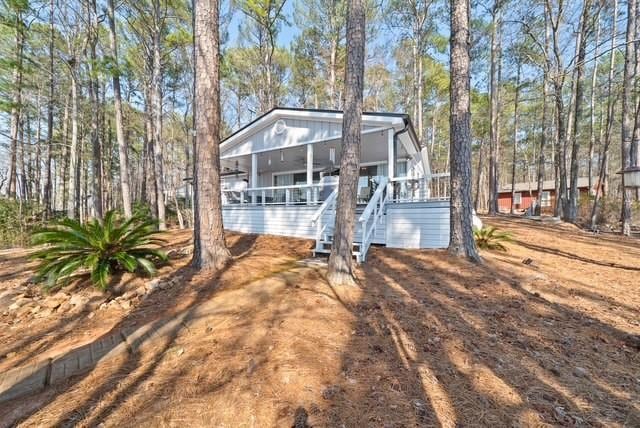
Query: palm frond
{"type": "Point", "coordinates": [99, 247]}
{"type": "Point", "coordinates": [489, 238]}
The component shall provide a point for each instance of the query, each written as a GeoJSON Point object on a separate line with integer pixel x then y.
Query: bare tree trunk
{"type": "Point", "coordinates": [16, 108]}
{"type": "Point", "coordinates": [38, 161]}
{"type": "Point", "coordinates": [600, 184]}
{"type": "Point", "coordinates": [574, 192]}
{"type": "Point", "coordinates": [341, 259]}
{"type": "Point", "coordinates": [74, 170]}
{"type": "Point", "coordinates": [420, 100]}
{"type": "Point", "coordinates": [592, 106]}
{"type": "Point", "coordinates": [97, 184]}
{"type": "Point", "coordinates": [494, 112]}
{"type": "Point", "coordinates": [627, 114]}
{"type": "Point", "coordinates": [65, 153]}
{"type": "Point", "coordinates": [479, 175]}
{"type": "Point", "coordinates": [125, 187]}
{"type": "Point", "coordinates": [461, 243]}
{"type": "Point", "coordinates": [156, 102]}
{"type": "Point", "coordinates": [210, 251]}
{"type": "Point", "coordinates": [515, 139]}
{"type": "Point", "coordinates": [544, 135]}
{"type": "Point", "coordinates": [48, 187]}
{"type": "Point", "coordinates": [332, 73]}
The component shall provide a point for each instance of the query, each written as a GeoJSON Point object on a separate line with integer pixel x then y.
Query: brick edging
{"type": "Point", "coordinates": [34, 377]}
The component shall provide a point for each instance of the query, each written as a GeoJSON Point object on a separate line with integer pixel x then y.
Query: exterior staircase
{"type": "Point", "coordinates": [367, 220]}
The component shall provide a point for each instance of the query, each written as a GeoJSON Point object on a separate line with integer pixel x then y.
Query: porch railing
{"type": "Point", "coordinates": [371, 217]}
{"type": "Point", "coordinates": [431, 188]}
{"type": "Point", "coordinates": [296, 194]}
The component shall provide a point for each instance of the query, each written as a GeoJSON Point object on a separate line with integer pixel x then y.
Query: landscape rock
{"type": "Point", "coordinates": [78, 300]}
{"type": "Point", "coordinates": [44, 313]}
{"type": "Point", "coordinates": [125, 304]}
{"type": "Point", "coordinates": [152, 285]}
{"type": "Point", "coordinates": [129, 295]}
{"type": "Point", "coordinates": [64, 307]}
{"type": "Point", "coordinates": [580, 372]}
{"type": "Point", "coordinates": [51, 302]}
{"type": "Point", "coordinates": [18, 303]}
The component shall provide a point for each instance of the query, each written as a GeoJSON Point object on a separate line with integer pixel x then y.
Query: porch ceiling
{"type": "Point", "coordinates": [374, 149]}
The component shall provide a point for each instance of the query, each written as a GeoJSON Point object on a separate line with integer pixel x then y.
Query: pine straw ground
{"type": "Point", "coordinates": [425, 340]}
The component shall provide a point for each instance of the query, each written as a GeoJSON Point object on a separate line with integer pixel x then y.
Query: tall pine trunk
{"type": "Point", "coordinates": [592, 102]}
{"type": "Point", "coordinates": [600, 184]}
{"type": "Point", "coordinates": [94, 97]}
{"type": "Point", "coordinates": [494, 109]}
{"type": "Point", "coordinates": [341, 259]}
{"type": "Point", "coordinates": [156, 108]}
{"type": "Point", "coordinates": [627, 114]}
{"type": "Point", "coordinates": [515, 139]}
{"type": "Point", "coordinates": [574, 192]}
{"type": "Point", "coordinates": [48, 187]}
{"type": "Point", "coordinates": [125, 186]}
{"type": "Point", "coordinates": [210, 251]}
{"type": "Point", "coordinates": [461, 242]}
{"type": "Point", "coordinates": [16, 108]}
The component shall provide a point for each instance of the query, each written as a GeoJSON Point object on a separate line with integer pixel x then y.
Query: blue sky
{"type": "Point", "coordinates": [286, 35]}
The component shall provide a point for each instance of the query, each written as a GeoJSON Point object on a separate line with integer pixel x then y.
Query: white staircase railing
{"type": "Point", "coordinates": [317, 219]}
{"type": "Point", "coordinates": [371, 217]}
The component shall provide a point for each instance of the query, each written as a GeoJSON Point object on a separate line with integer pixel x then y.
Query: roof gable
{"type": "Point", "coordinates": [286, 127]}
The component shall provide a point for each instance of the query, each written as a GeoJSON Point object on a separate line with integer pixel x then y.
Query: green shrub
{"type": "Point", "coordinates": [17, 220]}
{"type": "Point", "coordinates": [489, 238]}
{"type": "Point", "coordinates": [99, 248]}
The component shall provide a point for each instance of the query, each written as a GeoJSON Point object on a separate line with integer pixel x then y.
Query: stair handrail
{"type": "Point", "coordinates": [374, 200]}
{"type": "Point", "coordinates": [325, 205]}
{"type": "Point", "coordinates": [376, 207]}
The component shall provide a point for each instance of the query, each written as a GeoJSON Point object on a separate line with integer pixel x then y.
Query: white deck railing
{"type": "Point", "coordinates": [402, 189]}
{"type": "Point", "coordinates": [371, 216]}
{"type": "Point", "coordinates": [431, 188]}
{"type": "Point", "coordinates": [296, 194]}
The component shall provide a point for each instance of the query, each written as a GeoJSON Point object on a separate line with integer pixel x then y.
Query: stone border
{"type": "Point", "coordinates": [37, 376]}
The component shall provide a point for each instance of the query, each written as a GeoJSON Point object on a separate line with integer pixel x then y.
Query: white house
{"type": "Point", "coordinates": [280, 174]}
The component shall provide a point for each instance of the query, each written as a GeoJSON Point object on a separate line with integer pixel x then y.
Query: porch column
{"type": "Point", "coordinates": [309, 171]}
{"type": "Point", "coordinates": [391, 162]}
{"type": "Point", "coordinates": [391, 165]}
{"type": "Point", "coordinates": [254, 176]}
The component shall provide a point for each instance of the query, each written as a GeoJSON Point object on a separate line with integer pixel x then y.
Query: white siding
{"type": "Point", "coordinates": [271, 220]}
{"type": "Point", "coordinates": [297, 131]}
{"type": "Point", "coordinates": [405, 225]}
{"type": "Point", "coordinates": [418, 225]}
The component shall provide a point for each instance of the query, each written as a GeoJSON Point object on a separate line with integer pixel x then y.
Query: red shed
{"type": "Point", "coordinates": [526, 193]}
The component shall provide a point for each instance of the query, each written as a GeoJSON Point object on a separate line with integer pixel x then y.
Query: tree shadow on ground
{"type": "Point", "coordinates": [472, 347]}
{"type": "Point", "coordinates": [560, 253]}
{"type": "Point", "coordinates": [203, 287]}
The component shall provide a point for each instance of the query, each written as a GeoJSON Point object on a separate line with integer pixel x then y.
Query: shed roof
{"type": "Point", "coordinates": [583, 183]}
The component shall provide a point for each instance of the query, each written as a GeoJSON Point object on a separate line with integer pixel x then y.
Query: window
{"type": "Point", "coordinates": [545, 200]}
{"type": "Point", "coordinates": [517, 198]}
{"type": "Point", "coordinates": [301, 177]}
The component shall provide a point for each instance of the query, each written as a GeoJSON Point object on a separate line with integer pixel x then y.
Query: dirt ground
{"type": "Point", "coordinates": [546, 334]}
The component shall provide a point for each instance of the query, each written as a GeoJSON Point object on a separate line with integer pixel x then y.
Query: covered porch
{"type": "Point", "coordinates": [280, 176]}
{"type": "Point", "coordinates": [294, 162]}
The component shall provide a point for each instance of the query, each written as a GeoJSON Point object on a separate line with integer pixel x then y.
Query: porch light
{"type": "Point", "coordinates": [332, 154]}
{"type": "Point", "coordinates": [631, 176]}
{"type": "Point", "coordinates": [281, 155]}
{"type": "Point", "coordinates": [269, 160]}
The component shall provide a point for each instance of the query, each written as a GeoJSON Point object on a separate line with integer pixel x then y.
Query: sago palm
{"type": "Point", "coordinates": [99, 248]}
{"type": "Point", "coordinates": [489, 238]}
